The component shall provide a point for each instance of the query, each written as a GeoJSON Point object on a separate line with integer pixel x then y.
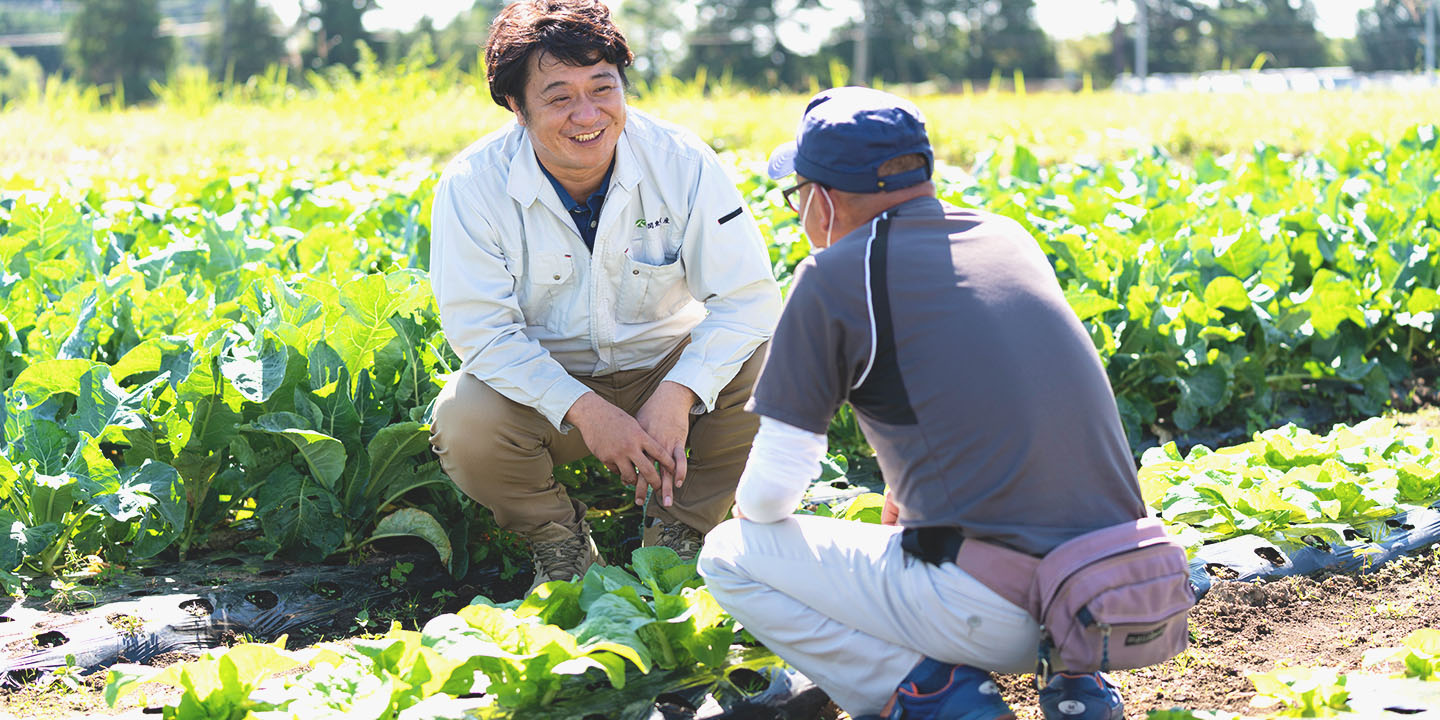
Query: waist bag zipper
{"type": "Point", "coordinates": [1088, 620]}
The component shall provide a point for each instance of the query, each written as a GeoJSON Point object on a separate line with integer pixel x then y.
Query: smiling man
{"type": "Point", "coordinates": [606, 290]}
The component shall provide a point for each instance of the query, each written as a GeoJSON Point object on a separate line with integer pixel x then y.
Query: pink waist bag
{"type": "Point", "coordinates": [1113, 599]}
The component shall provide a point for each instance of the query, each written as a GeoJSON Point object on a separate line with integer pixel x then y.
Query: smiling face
{"type": "Point", "coordinates": [574, 115]}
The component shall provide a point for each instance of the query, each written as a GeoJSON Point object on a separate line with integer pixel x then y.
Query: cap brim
{"type": "Point", "coordinates": [782, 160]}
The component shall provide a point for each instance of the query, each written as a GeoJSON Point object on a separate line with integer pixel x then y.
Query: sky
{"type": "Point", "coordinates": [1059, 18]}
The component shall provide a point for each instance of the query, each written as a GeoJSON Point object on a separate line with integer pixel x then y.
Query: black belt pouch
{"type": "Point", "coordinates": [933, 545]}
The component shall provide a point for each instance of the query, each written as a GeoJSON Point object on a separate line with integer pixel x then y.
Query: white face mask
{"type": "Point", "coordinates": [806, 215]}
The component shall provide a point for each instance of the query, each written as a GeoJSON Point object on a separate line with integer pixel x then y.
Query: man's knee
{"type": "Point", "coordinates": [721, 552]}
{"type": "Point", "coordinates": [470, 412]}
{"type": "Point", "coordinates": [494, 449]}
{"type": "Point", "coordinates": [465, 402]}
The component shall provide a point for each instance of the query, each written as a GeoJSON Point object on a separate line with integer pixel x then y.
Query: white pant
{"type": "Point", "coordinates": [841, 602]}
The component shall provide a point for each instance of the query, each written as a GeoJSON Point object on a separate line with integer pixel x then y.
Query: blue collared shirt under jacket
{"type": "Point", "coordinates": [586, 215]}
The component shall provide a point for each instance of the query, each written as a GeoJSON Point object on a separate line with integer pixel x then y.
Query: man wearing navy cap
{"type": "Point", "coordinates": [987, 406]}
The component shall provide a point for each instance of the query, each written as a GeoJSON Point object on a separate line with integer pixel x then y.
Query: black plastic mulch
{"type": "Point", "coordinates": [193, 606]}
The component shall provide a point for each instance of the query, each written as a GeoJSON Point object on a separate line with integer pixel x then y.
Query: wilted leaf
{"type": "Point", "coordinates": [415, 523]}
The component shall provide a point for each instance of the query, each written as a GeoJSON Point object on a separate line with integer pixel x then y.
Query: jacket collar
{"type": "Point", "coordinates": [526, 179]}
{"type": "Point", "coordinates": [627, 165]}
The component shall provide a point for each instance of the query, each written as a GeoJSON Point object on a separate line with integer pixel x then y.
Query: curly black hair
{"type": "Point", "coordinates": [575, 32]}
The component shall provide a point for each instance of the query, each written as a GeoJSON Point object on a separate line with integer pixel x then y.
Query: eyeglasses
{"type": "Point", "coordinates": [789, 195]}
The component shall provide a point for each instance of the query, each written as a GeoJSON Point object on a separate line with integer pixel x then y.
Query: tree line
{"type": "Point", "coordinates": [762, 43]}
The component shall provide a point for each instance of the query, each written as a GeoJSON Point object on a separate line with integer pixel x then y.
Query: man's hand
{"type": "Point", "coordinates": [890, 514]}
{"type": "Point", "coordinates": [666, 417]}
{"type": "Point", "coordinates": [620, 442]}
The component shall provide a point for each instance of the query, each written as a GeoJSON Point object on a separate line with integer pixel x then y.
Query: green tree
{"type": "Point", "coordinates": [907, 40]}
{"type": "Point", "coordinates": [418, 41]}
{"type": "Point", "coordinates": [119, 41]}
{"type": "Point", "coordinates": [916, 41]}
{"type": "Point", "coordinates": [338, 27]}
{"type": "Point", "coordinates": [1086, 54]}
{"type": "Point", "coordinates": [30, 20]}
{"type": "Point", "coordinates": [943, 40]}
{"type": "Point", "coordinates": [465, 35]}
{"type": "Point", "coordinates": [39, 19]}
{"type": "Point", "coordinates": [19, 76]}
{"type": "Point", "coordinates": [739, 38]}
{"type": "Point", "coordinates": [459, 42]}
{"type": "Point", "coordinates": [1003, 36]}
{"type": "Point", "coordinates": [1180, 38]}
{"type": "Point", "coordinates": [1281, 29]}
{"type": "Point", "coordinates": [1390, 36]}
{"type": "Point", "coordinates": [244, 42]}
{"type": "Point", "coordinates": [654, 32]}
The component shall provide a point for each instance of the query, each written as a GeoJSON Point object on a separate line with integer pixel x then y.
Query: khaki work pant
{"type": "Point", "coordinates": [502, 454]}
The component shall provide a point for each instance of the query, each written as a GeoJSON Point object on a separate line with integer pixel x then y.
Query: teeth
{"type": "Point", "coordinates": [590, 136]}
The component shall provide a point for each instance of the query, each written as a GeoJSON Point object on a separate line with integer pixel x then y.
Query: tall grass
{"type": "Point", "coordinates": [383, 116]}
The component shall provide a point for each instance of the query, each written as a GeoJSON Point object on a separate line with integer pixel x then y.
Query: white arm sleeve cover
{"type": "Point", "coordinates": [783, 461]}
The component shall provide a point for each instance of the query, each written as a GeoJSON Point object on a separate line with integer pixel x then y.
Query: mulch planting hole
{"type": "Point", "coordinates": [263, 599]}
{"type": "Point", "coordinates": [199, 607]}
{"type": "Point", "coordinates": [50, 639]}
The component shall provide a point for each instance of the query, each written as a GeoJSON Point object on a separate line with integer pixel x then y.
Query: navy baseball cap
{"type": "Point", "coordinates": [847, 133]}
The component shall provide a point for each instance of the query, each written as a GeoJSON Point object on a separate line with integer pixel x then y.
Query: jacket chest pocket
{"type": "Point", "coordinates": [650, 292]}
{"type": "Point", "coordinates": [546, 287]}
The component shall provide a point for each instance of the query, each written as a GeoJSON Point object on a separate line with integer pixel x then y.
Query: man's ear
{"type": "Point", "coordinates": [824, 200]}
{"type": "Point", "coordinates": [515, 108]}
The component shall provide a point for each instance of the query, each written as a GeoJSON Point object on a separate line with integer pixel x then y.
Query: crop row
{"type": "Point", "coordinates": [378, 116]}
{"type": "Point", "coordinates": [1239, 293]}
{"type": "Point", "coordinates": [264, 349]}
{"type": "Point", "coordinates": [611, 628]}
{"type": "Point", "coordinates": [1295, 488]}
{"type": "Point", "coordinates": [610, 642]}
{"type": "Point", "coordinates": [169, 370]}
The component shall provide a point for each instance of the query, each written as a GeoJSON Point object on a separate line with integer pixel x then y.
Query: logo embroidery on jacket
{"type": "Point", "coordinates": [651, 225]}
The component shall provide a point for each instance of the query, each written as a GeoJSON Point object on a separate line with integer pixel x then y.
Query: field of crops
{"type": "Point", "coordinates": [381, 119]}
{"type": "Point", "coordinates": [215, 320]}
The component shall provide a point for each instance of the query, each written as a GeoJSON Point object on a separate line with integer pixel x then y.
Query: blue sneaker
{"type": "Point", "coordinates": [1088, 696]}
{"type": "Point", "coordinates": [941, 691]}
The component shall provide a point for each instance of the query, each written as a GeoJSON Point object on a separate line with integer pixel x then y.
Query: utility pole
{"type": "Point", "coordinates": [1142, 41]}
{"type": "Point", "coordinates": [861, 64]}
{"type": "Point", "coordinates": [1431, 9]}
{"type": "Point", "coordinates": [227, 45]}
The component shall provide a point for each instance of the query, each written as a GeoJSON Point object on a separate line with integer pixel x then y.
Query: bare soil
{"type": "Point", "coordinates": [53, 700]}
{"type": "Point", "coordinates": [1428, 417]}
{"type": "Point", "coordinates": [1242, 628]}
{"type": "Point", "coordinates": [1237, 629]}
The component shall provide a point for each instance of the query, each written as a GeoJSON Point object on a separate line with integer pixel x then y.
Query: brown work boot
{"type": "Point", "coordinates": [677, 536]}
{"type": "Point", "coordinates": [560, 553]}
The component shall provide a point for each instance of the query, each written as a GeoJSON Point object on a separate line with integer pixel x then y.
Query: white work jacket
{"type": "Point", "coordinates": [526, 306]}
